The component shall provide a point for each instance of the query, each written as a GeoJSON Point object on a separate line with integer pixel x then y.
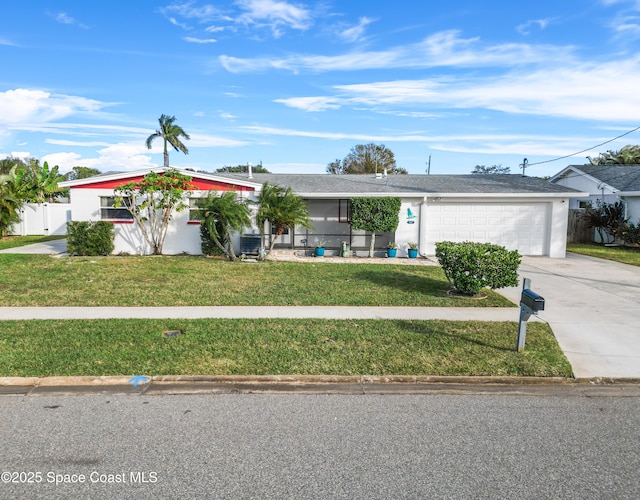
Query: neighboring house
{"type": "Point", "coordinates": [604, 184]}
{"type": "Point", "coordinates": [522, 213]}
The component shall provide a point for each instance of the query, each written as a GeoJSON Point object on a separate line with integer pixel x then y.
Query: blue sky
{"type": "Point", "coordinates": [297, 84]}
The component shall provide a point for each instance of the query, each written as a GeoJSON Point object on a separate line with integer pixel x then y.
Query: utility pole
{"type": "Point", "coordinates": [523, 166]}
{"type": "Point", "coordinates": [429, 166]}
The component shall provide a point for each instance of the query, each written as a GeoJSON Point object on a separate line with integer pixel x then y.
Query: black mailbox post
{"type": "Point", "coordinates": [530, 303]}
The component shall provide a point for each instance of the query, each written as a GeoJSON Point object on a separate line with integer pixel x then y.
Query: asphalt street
{"type": "Point", "coordinates": [320, 446]}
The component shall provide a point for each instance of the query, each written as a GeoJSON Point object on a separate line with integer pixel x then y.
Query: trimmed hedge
{"type": "Point", "coordinates": [90, 238]}
{"type": "Point", "coordinates": [469, 266]}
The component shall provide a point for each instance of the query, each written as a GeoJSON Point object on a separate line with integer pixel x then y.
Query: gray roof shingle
{"type": "Point", "coordinates": [407, 184]}
{"type": "Point", "coordinates": [620, 177]}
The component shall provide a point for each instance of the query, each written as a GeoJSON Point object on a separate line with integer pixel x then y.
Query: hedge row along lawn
{"type": "Point", "coordinates": [40, 280]}
{"type": "Point", "coordinates": [625, 255]}
{"type": "Point", "coordinates": [268, 346]}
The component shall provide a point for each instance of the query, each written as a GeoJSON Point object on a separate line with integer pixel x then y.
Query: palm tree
{"type": "Point", "coordinates": [222, 215]}
{"type": "Point", "coordinates": [9, 204]}
{"type": "Point", "coordinates": [171, 134]}
{"type": "Point", "coordinates": [628, 155]}
{"type": "Point", "coordinates": [282, 209]}
{"type": "Point", "coordinates": [35, 183]}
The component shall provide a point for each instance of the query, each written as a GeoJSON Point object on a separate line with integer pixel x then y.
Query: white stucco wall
{"type": "Point", "coordinates": [182, 236]}
{"type": "Point", "coordinates": [633, 208]}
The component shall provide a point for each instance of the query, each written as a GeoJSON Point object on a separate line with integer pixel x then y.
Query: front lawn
{"type": "Point", "coordinates": [276, 346]}
{"type": "Point", "coordinates": [625, 255]}
{"type": "Point", "coordinates": [40, 280]}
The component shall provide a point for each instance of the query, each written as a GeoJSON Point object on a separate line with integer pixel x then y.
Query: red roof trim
{"type": "Point", "coordinates": [197, 183]}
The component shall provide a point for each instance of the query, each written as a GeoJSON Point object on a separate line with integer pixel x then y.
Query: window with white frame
{"type": "Point", "coordinates": [108, 210]}
{"type": "Point", "coordinates": [195, 212]}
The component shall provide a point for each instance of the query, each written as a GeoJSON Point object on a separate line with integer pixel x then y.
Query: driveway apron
{"type": "Point", "coordinates": [47, 247]}
{"type": "Point", "coordinates": [593, 308]}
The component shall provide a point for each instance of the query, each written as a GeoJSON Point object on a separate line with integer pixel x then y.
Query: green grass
{"type": "Point", "coordinates": [258, 347]}
{"type": "Point", "coordinates": [40, 280]}
{"type": "Point", "coordinates": [18, 241]}
{"type": "Point", "coordinates": [624, 255]}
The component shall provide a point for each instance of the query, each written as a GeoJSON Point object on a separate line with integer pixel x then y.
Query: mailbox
{"type": "Point", "coordinates": [532, 300]}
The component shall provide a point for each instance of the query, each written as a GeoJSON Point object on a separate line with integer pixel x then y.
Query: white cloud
{"type": "Point", "coordinates": [187, 10]}
{"type": "Point", "coordinates": [199, 40]}
{"type": "Point", "coordinates": [311, 103]}
{"type": "Point", "coordinates": [120, 157]}
{"type": "Point", "coordinates": [584, 91]}
{"type": "Point", "coordinates": [526, 28]}
{"type": "Point", "coordinates": [20, 154]}
{"type": "Point", "coordinates": [355, 33]}
{"type": "Point", "coordinates": [64, 18]}
{"type": "Point", "coordinates": [37, 106]}
{"type": "Point", "coordinates": [211, 141]}
{"type": "Point", "coordinates": [275, 14]}
{"type": "Point", "coordinates": [82, 144]}
{"type": "Point", "coordinates": [445, 48]}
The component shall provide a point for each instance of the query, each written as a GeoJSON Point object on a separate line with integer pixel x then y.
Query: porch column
{"type": "Point", "coordinates": [422, 231]}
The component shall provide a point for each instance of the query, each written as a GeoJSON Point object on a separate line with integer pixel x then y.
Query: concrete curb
{"type": "Point", "coordinates": [317, 384]}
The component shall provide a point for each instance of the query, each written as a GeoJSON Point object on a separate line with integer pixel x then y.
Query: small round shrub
{"type": "Point", "coordinates": [470, 266]}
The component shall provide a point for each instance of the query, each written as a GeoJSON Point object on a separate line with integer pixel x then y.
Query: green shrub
{"type": "Point", "coordinates": [629, 233]}
{"type": "Point", "coordinates": [90, 238]}
{"type": "Point", "coordinates": [471, 266]}
{"type": "Point", "coordinates": [206, 241]}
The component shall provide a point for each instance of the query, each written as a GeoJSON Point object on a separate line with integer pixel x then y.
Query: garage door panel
{"type": "Point", "coordinates": [516, 226]}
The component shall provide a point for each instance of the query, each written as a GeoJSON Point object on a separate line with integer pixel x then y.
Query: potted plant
{"type": "Point", "coordinates": [412, 251]}
{"type": "Point", "coordinates": [344, 248]}
{"type": "Point", "coordinates": [320, 248]}
{"type": "Point", "coordinates": [392, 249]}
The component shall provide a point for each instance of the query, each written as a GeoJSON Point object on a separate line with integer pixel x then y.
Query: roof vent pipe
{"type": "Point", "coordinates": [250, 170]}
{"type": "Point", "coordinates": [384, 173]}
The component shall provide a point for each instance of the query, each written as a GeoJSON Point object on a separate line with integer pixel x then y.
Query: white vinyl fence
{"type": "Point", "coordinates": [48, 219]}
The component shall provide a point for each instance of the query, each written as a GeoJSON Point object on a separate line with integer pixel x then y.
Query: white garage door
{"type": "Point", "coordinates": [516, 226]}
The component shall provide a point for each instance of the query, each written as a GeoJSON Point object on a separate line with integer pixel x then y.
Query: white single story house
{"type": "Point", "coordinates": [521, 213]}
{"type": "Point", "coordinates": [604, 184]}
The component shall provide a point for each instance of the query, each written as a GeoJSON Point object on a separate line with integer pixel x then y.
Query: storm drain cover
{"type": "Point", "coordinates": [172, 333]}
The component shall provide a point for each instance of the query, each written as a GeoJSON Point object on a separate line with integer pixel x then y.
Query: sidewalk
{"type": "Point", "coordinates": [322, 312]}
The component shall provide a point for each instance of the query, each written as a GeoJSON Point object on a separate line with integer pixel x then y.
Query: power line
{"type": "Point", "coordinates": [584, 150]}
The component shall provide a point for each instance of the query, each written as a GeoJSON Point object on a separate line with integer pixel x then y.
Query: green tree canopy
{"type": "Point", "coordinates": [152, 201]}
{"type": "Point", "coordinates": [81, 173]}
{"type": "Point", "coordinates": [223, 214]}
{"type": "Point", "coordinates": [6, 164]}
{"type": "Point", "coordinates": [241, 169]}
{"type": "Point", "coordinates": [375, 215]}
{"type": "Point", "coordinates": [170, 133]}
{"type": "Point", "coordinates": [366, 159]}
{"type": "Point", "coordinates": [628, 155]}
{"type": "Point", "coordinates": [493, 169]}
{"type": "Point", "coordinates": [283, 209]}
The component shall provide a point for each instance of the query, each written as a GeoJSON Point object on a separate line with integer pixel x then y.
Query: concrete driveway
{"type": "Point", "coordinates": [593, 308]}
{"type": "Point", "coordinates": [48, 247]}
